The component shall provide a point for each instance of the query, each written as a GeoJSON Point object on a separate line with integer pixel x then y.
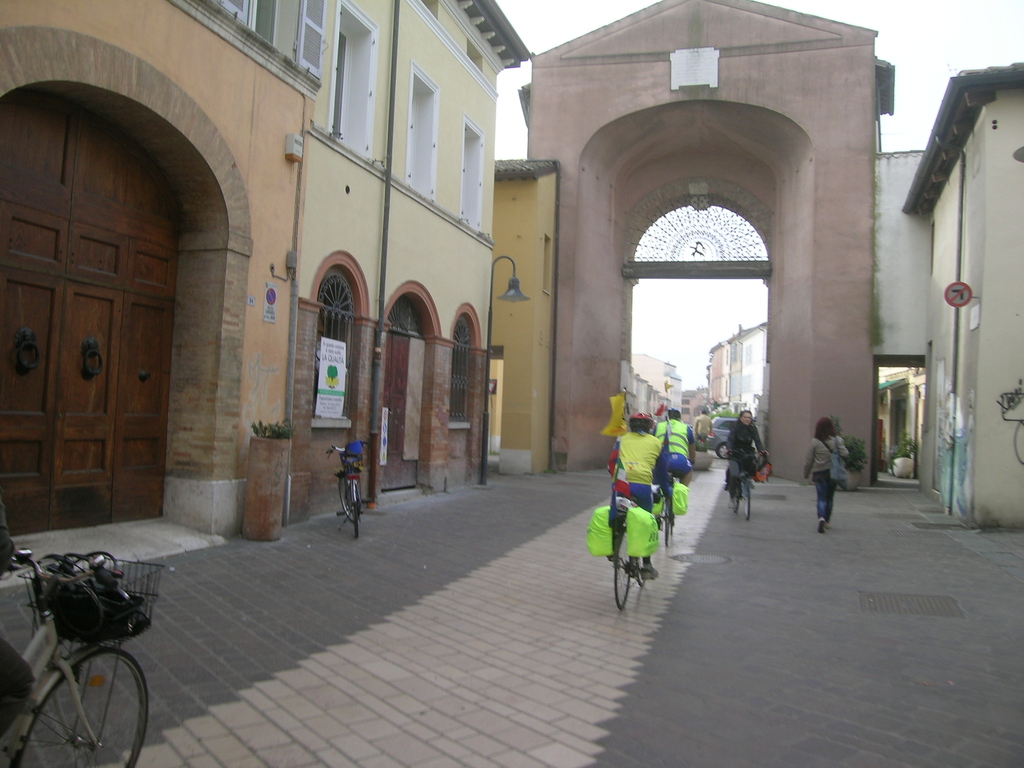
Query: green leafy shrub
{"type": "Point", "coordinates": [858, 457]}
{"type": "Point", "coordinates": [279, 430]}
{"type": "Point", "coordinates": [906, 448]}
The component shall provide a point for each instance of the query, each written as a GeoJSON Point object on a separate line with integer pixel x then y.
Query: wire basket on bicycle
{"type": "Point", "coordinates": [112, 604]}
{"type": "Point", "coordinates": [351, 458]}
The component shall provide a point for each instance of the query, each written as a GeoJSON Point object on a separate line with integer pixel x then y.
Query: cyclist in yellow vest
{"type": "Point", "coordinates": [645, 460]}
{"type": "Point", "coordinates": [679, 439]}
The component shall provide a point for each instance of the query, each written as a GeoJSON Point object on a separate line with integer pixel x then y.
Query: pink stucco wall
{"type": "Point", "coordinates": [791, 125]}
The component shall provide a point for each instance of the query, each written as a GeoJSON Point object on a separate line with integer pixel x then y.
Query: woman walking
{"type": "Point", "coordinates": [817, 466]}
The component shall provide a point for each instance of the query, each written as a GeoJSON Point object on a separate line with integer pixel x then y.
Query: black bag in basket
{"type": "Point", "coordinates": [93, 613]}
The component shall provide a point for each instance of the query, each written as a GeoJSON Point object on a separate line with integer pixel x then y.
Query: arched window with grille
{"type": "Point", "coordinates": [336, 321]}
{"type": "Point", "coordinates": [459, 403]}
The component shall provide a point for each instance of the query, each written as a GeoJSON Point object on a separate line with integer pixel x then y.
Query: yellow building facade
{"type": "Point", "coordinates": [179, 179]}
{"type": "Point", "coordinates": [525, 211]}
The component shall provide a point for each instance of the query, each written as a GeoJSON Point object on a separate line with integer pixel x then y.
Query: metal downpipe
{"type": "Point", "coordinates": [378, 334]}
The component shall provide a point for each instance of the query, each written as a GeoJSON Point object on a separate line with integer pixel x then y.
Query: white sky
{"type": "Point", "coordinates": [928, 41]}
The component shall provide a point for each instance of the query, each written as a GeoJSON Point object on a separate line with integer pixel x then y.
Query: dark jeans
{"type": "Point", "coordinates": [826, 491]}
{"type": "Point", "coordinates": [15, 684]}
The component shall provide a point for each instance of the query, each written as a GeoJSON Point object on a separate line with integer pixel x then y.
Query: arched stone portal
{"type": "Point", "coordinates": [785, 138]}
{"type": "Point", "coordinates": [214, 246]}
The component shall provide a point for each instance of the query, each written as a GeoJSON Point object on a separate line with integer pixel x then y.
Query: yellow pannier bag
{"type": "Point", "coordinates": [680, 498]}
{"type": "Point", "coordinates": [599, 533]}
{"type": "Point", "coordinates": [641, 533]}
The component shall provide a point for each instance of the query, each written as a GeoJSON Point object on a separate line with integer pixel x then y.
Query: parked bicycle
{"type": "Point", "coordinates": [348, 483]}
{"type": "Point", "coordinates": [90, 703]}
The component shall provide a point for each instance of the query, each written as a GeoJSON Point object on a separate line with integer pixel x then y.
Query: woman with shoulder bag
{"type": "Point", "coordinates": [817, 466]}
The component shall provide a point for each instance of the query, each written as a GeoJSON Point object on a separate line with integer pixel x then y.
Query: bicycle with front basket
{"type": "Point", "coordinates": [90, 704]}
{"type": "Point", "coordinates": [348, 483]}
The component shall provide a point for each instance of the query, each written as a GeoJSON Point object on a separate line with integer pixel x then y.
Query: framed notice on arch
{"type": "Point", "coordinates": [330, 385]}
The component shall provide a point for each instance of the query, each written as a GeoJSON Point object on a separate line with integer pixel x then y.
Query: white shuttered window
{"type": "Point", "coordinates": [311, 36]}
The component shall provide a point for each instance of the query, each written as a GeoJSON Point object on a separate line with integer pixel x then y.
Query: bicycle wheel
{"type": "Point", "coordinates": [346, 508]}
{"type": "Point", "coordinates": [670, 520]}
{"type": "Point", "coordinates": [748, 487]}
{"type": "Point", "coordinates": [355, 506]}
{"type": "Point", "coordinates": [621, 573]}
{"type": "Point", "coordinates": [116, 704]}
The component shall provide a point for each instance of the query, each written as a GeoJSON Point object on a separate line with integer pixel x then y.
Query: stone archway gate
{"type": "Point", "coordinates": [771, 114]}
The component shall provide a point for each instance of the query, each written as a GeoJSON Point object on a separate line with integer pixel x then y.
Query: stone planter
{"type": "Point", "coordinates": [903, 467]}
{"type": "Point", "coordinates": [265, 488]}
{"type": "Point", "coordinates": [852, 479]}
{"type": "Point", "coordinates": [702, 460]}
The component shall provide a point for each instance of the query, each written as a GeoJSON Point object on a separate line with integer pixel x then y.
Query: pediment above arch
{"type": "Point", "coordinates": [735, 27]}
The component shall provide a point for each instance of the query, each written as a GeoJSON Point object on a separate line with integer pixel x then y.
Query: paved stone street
{"type": "Point", "coordinates": [473, 629]}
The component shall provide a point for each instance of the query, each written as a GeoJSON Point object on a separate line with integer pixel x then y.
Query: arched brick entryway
{"type": "Point", "coordinates": [214, 241]}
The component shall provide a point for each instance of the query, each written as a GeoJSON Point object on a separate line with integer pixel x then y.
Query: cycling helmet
{"type": "Point", "coordinates": [641, 422]}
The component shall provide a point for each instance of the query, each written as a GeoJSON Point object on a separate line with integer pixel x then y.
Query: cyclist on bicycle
{"type": "Point", "coordinates": [645, 460]}
{"type": "Point", "coordinates": [679, 439]}
{"type": "Point", "coordinates": [15, 675]}
{"type": "Point", "coordinates": [745, 451]}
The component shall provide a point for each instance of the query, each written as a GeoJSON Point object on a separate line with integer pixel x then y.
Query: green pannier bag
{"type": "Point", "coordinates": [599, 533]}
{"type": "Point", "coordinates": [659, 507]}
{"type": "Point", "coordinates": [641, 533]}
{"type": "Point", "coordinates": [680, 498]}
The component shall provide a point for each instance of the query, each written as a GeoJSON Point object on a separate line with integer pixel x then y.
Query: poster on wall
{"type": "Point", "coordinates": [383, 437]}
{"type": "Point", "coordinates": [330, 386]}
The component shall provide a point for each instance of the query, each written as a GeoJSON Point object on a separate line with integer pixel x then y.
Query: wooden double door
{"type": "Point", "coordinates": [88, 253]}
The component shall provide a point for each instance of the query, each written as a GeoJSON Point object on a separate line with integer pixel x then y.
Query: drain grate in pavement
{"type": "Point", "coordinates": [941, 526]}
{"type": "Point", "coordinates": [916, 605]}
{"type": "Point", "coordinates": [898, 515]}
{"type": "Point", "coordinates": [769, 496]}
{"type": "Point", "coordinates": [702, 559]}
{"type": "Point", "coordinates": [919, 534]}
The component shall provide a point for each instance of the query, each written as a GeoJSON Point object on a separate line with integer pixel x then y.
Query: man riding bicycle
{"type": "Point", "coordinates": [742, 442]}
{"type": "Point", "coordinates": [679, 439]}
{"type": "Point", "coordinates": [645, 460]}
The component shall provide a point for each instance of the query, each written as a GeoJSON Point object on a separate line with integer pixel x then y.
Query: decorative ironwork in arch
{"type": "Point", "coordinates": [458, 407]}
{"type": "Point", "coordinates": [403, 318]}
{"type": "Point", "coordinates": [336, 321]}
{"type": "Point", "coordinates": [710, 234]}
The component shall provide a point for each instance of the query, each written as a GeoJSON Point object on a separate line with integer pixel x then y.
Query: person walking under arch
{"type": "Point", "coordinates": [818, 466]}
{"type": "Point", "coordinates": [678, 437]}
{"type": "Point", "coordinates": [644, 459]}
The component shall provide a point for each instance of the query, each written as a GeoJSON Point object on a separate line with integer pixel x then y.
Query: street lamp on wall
{"type": "Point", "coordinates": [512, 294]}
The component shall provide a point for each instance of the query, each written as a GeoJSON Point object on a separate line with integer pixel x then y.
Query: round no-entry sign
{"type": "Point", "coordinates": [958, 294]}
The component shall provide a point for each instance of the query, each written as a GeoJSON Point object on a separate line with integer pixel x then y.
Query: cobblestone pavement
{"type": "Point", "coordinates": [473, 629]}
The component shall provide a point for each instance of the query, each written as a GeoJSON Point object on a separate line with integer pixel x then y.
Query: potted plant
{"type": "Point", "coordinates": [702, 458]}
{"type": "Point", "coordinates": [267, 482]}
{"type": "Point", "coordinates": [903, 456]}
{"type": "Point", "coordinates": [857, 458]}
{"type": "Point", "coordinates": [855, 461]}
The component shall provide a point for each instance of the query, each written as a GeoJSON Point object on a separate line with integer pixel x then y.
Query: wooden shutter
{"type": "Point", "coordinates": [311, 36]}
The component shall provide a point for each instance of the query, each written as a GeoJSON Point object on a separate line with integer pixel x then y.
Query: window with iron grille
{"type": "Point", "coordinates": [335, 322]}
{"type": "Point", "coordinates": [458, 406]}
{"type": "Point", "coordinates": [403, 318]}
